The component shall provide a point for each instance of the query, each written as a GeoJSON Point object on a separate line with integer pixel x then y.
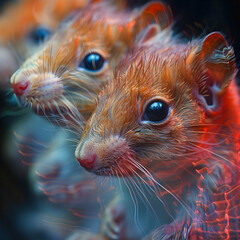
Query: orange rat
{"type": "Point", "coordinates": [170, 118]}
{"type": "Point", "coordinates": [68, 72]}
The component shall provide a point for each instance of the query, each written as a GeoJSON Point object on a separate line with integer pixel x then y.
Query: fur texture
{"type": "Point", "coordinates": [193, 154]}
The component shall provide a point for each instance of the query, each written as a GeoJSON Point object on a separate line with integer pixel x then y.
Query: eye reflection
{"type": "Point", "coordinates": [92, 62]}
{"type": "Point", "coordinates": [156, 111]}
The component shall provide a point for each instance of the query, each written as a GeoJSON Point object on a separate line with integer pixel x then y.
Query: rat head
{"type": "Point", "coordinates": [154, 112]}
{"type": "Point", "coordinates": [74, 64]}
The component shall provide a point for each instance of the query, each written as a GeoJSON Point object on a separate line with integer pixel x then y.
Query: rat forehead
{"type": "Point", "coordinates": [95, 20]}
{"type": "Point", "coordinates": [150, 68]}
{"type": "Point", "coordinates": [103, 11]}
{"type": "Point", "coordinates": [80, 41]}
{"type": "Point", "coordinates": [88, 31]}
{"type": "Point", "coordinates": [146, 74]}
{"type": "Point", "coordinates": [100, 15]}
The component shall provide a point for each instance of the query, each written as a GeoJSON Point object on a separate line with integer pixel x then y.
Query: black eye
{"type": "Point", "coordinates": [93, 62]}
{"type": "Point", "coordinates": [40, 34]}
{"type": "Point", "coordinates": [156, 111]}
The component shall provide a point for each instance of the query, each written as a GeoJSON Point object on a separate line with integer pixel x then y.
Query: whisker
{"type": "Point", "coordinates": [157, 194]}
{"type": "Point", "coordinates": [136, 216]}
{"type": "Point", "coordinates": [140, 190]}
{"type": "Point", "coordinates": [119, 181]}
{"type": "Point", "coordinates": [133, 197]}
{"type": "Point", "coordinates": [212, 133]}
{"type": "Point", "coordinates": [215, 154]}
{"type": "Point", "coordinates": [152, 179]}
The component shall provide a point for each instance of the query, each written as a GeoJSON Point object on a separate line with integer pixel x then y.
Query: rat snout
{"type": "Point", "coordinates": [20, 88]}
{"type": "Point", "coordinates": [88, 162]}
{"type": "Point", "coordinates": [20, 83]}
{"type": "Point", "coordinates": [36, 84]}
{"type": "Point", "coordinates": [85, 154]}
{"type": "Point", "coordinates": [103, 156]}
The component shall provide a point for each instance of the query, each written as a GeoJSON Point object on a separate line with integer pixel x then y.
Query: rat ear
{"type": "Point", "coordinates": [218, 65]}
{"type": "Point", "coordinates": [156, 12]}
{"type": "Point", "coordinates": [151, 18]}
{"type": "Point", "coordinates": [149, 33]}
{"type": "Point", "coordinates": [122, 4]}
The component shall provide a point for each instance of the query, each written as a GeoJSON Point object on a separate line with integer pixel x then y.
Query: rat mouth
{"type": "Point", "coordinates": [44, 106]}
{"type": "Point", "coordinates": [42, 98]}
{"type": "Point", "coordinates": [106, 171]}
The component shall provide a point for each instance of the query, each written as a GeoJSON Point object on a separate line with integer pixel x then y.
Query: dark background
{"type": "Point", "coordinates": [197, 18]}
{"type": "Point", "coordinates": [193, 18]}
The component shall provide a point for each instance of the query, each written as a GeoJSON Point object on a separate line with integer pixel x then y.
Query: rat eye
{"type": "Point", "coordinates": [92, 62]}
{"type": "Point", "coordinates": [156, 111]}
{"type": "Point", "coordinates": [40, 34]}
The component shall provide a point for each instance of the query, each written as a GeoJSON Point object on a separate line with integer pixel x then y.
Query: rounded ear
{"type": "Point", "coordinates": [217, 63]}
{"type": "Point", "coordinates": [151, 19]}
{"type": "Point", "coordinates": [156, 12]}
{"type": "Point", "coordinates": [219, 59]}
{"type": "Point", "coordinates": [149, 33]}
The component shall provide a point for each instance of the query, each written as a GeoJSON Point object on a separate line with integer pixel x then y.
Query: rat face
{"type": "Point", "coordinates": [66, 71]}
{"type": "Point", "coordinates": [69, 71]}
{"type": "Point", "coordinates": [139, 118]}
{"type": "Point", "coordinates": [154, 113]}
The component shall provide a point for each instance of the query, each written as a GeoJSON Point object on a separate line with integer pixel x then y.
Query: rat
{"type": "Point", "coordinates": [64, 77]}
{"type": "Point", "coordinates": [170, 118]}
{"type": "Point", "coordinates": [50, 164]}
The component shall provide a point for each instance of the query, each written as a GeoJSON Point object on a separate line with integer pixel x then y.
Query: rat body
{"type": "Point", "coordinates": [170, 117]}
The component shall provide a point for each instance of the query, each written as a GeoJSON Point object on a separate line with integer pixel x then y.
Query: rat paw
{"type": "Point", "coordinates": [114, 220]}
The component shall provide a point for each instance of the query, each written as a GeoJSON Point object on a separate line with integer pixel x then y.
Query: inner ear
{"type": "Point", "coordinates": [151, 14]}
{"type": "Point", "coordinates": [120, 4]}
{"type": "Point", "coordinates": [208, 93]}
{"type": "Point", "coordinates": [149, 33]}
{"type": "Point", "coordinates": [218, 65]}
{"type": "Point", "coordinates": [158, 13]}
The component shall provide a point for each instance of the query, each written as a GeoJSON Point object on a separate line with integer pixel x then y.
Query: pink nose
{"type": "Point", "coordinates": [20, 88]}
{"type": "Point", "coordinates": [88, 162]}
